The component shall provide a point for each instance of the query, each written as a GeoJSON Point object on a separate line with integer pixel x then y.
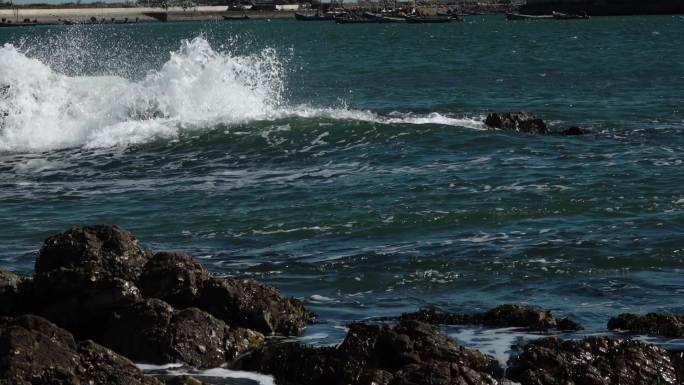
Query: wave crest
{"type": "Point", "coordinates": [198, 87]}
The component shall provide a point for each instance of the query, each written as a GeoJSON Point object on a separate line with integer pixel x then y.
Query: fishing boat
{"type": "Point", "coordinates": [520, 16]}
{"type": "Point", "coordinates": [430, 19]}
{"type": "Point", "coordinates": [567, 16]}
{"type": "Point", "coordinates": [383, 18]}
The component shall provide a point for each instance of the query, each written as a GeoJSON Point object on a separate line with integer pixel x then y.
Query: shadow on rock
{"type": "Point", "coordinates": [35, 351]}
{"type": "Point", "coordinates": [377, 354]}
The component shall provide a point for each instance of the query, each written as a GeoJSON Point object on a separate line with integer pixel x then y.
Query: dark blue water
{"type": "Point", "coordinates": [348, 164]}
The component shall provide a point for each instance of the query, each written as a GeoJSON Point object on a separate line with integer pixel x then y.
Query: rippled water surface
{"type": "Point", "coordinates": [349, 165]}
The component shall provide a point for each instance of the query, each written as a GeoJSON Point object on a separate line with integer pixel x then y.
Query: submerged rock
{"type": "Point", "coordinates": [377, 354]}
{"type": "Point", "coordinates": [104, 248]}
{"type": "Point", "coordinates": [664, 325]}
{"type": "Point", "coordinates": [34, 351]}
{"type": "Point", "coordinates": [152, 331]}
{"type": "Point", "coordinates": [574, 131]}
{"type": "Point", "coordinates": [509, 315]}
{"type": "Point", "coordinates": [517, 121]}
{"type": "Point", "coordinates": [593, 360]}
{"type": "Point", "coordinates": [178, 279]}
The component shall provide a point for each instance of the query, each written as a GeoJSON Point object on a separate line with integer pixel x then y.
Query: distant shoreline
{"type": "Point", "coordinates": [43, 16]}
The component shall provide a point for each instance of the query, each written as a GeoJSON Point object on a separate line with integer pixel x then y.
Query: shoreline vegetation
{"type": "Point", "coordinates": [99, 301]}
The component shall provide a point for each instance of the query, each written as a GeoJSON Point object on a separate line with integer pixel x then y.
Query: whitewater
{"type": "Point", "coordinates": [198, 88]}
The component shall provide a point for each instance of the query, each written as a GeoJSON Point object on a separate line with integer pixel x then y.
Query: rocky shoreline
{"type": "Point", "coordinates": [99, 301]}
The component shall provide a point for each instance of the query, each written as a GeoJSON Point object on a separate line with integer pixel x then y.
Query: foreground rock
{"type": "Point", "coordinates": [102, 248]}
{"type": "Point", "coordinates": [77, 299]}
{"type": "Point", "coordinates": [592, 361]}
{"type": "Point", "coordinates": [501, 316]}
{"type": "Point", "coordinates": [411, 352]}
{"type": "Point", "coordinates": [527, 123]}
{"type": "Point", "coordinates": [34, 351]}
{"type": "Point", "coordinates": [86, 281]}
{"type": "Point", "coordinates": [154, 332]}
{"type": "Point", "coordinates": [9, 287]}
{"type": "Point", "coordinates": [664, 325]}
{"type": "Point", "coordinates": [181, 281]}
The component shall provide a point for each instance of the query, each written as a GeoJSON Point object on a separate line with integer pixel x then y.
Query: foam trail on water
{"type": "Point", "coordinates": [41, 109]}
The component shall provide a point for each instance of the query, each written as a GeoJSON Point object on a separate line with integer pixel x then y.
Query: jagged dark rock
{"type": "Point", "coordinates": [509, 315]}
{"type": "Point", "coordinates": [381, 354]}
{"type": "Point", "coordinates": [174, 277]}
{"type": "Point", "coordinates": [152, 331]}
{"type": "Point", "coordinates": [106, 248]}
{"type": "Point", "coordinates": [678, 363]}
{"type": "Point", "coordinates": [517, 121]}
{"type": "Point", "coordinates": [591, 361]}
{"type": "Point", "coordinates": [248, 303]}
{"type": "Point", "coordinates": [77, 299]}
{"type": "Point", "coordinates": [33, 351]}
{"type": "Point", "coordinates": [9, 287]}
{"type": "Point", "coordinates": [664, 325]}
{"type": "Point", "coordinates": [181, 281]}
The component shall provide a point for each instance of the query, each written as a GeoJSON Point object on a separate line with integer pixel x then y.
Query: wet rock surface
{"type": "Point", "coordinates": [381, 354]}
{"type": "Point", "coordinates": [154, 332]}
{"type": "Point", "coordinates": [593, 360]}
{"type": "Point", "coordinates": [105, 248]}
{"type": "Point", "coordinates": [181, 281]}
{"type": "Point", "coordinates": [174, 277]}
{"type": "Point", "coordinates": [528, 123]}
{"type": "Point", "coordinates": [248, 303]}
{"type": "Point", "coordinates": [653, 324]}
{"type": "Point", "coordinates": [517, 121]}
{"type": "Point", "coordinates": [9, 287]}
{"type": "Point", "coordinates": [509, 315]}
{"type": "Point", "coordinates": [78, 299]}
{"type": "Point", "coordinates": [35, 351]}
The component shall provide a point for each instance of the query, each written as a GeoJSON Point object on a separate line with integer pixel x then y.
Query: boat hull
{"type": "Point", "coordinates": [519, 16]}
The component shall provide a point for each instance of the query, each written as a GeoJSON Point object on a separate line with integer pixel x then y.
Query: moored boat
{"type": "Point", "coordinates": [382, 18]}
{"type": "Point", "coordinates": [520, 16]}
{"type": "Point", "coordinates": [567, 16]}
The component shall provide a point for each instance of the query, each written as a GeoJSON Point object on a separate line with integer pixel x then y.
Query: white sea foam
{"type": "Point", "coordinates": [179, 370]}
{"type": "Point", "coordinates": [198, 87]}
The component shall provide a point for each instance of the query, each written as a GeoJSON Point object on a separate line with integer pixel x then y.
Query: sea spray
{"type": "Point", "coordinates": [197, 88]}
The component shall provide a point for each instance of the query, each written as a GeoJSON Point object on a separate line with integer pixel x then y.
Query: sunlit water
{"type": "Point", "coordinates": [349, 166]}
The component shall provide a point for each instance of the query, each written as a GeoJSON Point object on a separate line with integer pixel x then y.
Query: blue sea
{"type": "Point", "coordinates": [349, 165]}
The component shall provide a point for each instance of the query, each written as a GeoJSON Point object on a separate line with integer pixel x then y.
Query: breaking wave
{"type": "Point", "coordinates": [198, 87]}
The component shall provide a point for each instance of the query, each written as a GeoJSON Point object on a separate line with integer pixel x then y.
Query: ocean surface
{"type": "Point", "coordinates": [349, 165]}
